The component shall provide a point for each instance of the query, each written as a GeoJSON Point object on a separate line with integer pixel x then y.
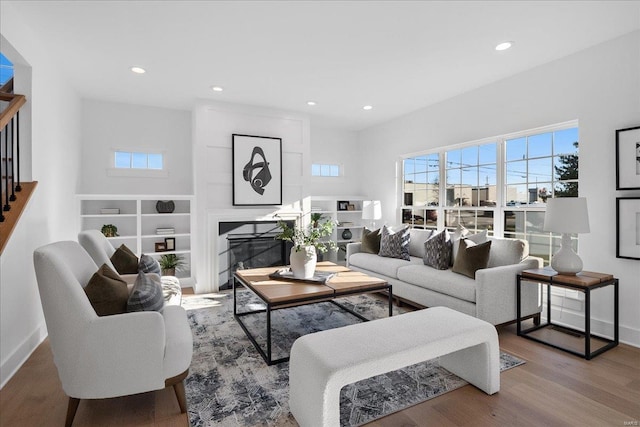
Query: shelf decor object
{"type": "Point", "coordinates": [566, 215]}
{"type": "Point", "coordinates": [165, 206]}
{"type": "Point", "coordinates": [257, 170]}
{"type": "Point", "coordinates": [109, 230]}
{"type": "Point", "coordinates": [628, 227]}
{"type": "Point", "coordinates": [628, 158]}
{"type": "Point", "coordinates": [372, 211]}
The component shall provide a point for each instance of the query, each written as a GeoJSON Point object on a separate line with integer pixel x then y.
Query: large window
{"type": "Point", "coordinates": [500, 185]}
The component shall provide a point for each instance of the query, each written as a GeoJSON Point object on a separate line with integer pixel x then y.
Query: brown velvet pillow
{"type": "Point", "coordinates": [471, 257]}
{"type": "Point", "coordinates": [107, 292]}
{"type": "Point", "coordinates": [371, 241]}
{"type": "Point", "coordinates": [125, 261]}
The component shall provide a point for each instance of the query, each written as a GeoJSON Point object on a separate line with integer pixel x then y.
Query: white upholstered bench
{"type": "Point", "coordinates": [323, 362]}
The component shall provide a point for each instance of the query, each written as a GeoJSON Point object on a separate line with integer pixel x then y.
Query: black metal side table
{"type": "Point", "coordinates": [585, 282]}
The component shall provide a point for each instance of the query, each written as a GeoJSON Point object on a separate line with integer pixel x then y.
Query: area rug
{"type": "Point", "coordinates": [230, 384]}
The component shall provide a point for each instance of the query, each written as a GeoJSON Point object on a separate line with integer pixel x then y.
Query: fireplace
{"type": "Point", "coordinates": [251, 244]}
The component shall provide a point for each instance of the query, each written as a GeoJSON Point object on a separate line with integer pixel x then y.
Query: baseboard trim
{"type": "Point", "coordinates": [10, 366]}
{"type": "Point", "coordinates": [599, 327]}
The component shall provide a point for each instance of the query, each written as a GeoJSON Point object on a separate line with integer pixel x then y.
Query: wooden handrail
{"type": "Point", "coordinates": [12, 216]}
{"type": "Point", "coordinates": [15, 103]}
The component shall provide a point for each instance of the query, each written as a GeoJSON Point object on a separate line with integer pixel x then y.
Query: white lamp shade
{"type": "Point", "coordinates": [567, 215]}
{"type": "Point", "coordinates": [371, 209]}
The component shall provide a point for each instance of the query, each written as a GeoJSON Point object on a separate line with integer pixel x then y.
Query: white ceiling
{"type": "Point", "coordinates": [397, 56]}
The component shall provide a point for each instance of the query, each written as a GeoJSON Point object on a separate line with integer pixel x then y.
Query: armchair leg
{"type": "Point", "coordinates": [178, 386]}
{"type": "Point", "coordinates": [71, 411]}
{"type": "Point", "coordinates": [181, 396]}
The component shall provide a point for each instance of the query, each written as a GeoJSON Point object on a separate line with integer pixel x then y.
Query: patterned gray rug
{"type": "Point", "coordinates": [230, 384]}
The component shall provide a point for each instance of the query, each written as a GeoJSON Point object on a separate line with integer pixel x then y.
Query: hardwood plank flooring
{"type": "Point", "coordinates": [553, 388]}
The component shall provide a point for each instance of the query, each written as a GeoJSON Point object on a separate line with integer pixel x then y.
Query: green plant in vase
{"type": "Point", "coordinates": [170, 263]}
{"type": "Point", "coordinates": [307, 242]}
{"type": "Point", "coordinates": [109, 230]}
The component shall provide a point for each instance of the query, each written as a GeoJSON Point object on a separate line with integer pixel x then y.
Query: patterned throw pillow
{"type": "Point", "coordinates": [471, 257]}
{"type": "Point", "coordinates": [149, 265]}
{"type": "Point", "coordinates": [371, 241]}
{"type": "Point", "coordinates": [437, 250]}
{"type": "Point", "coordinates": [395, 244]}
{"type": "Point", "coordinates": [125, 261]}
{"type": "Point", "coordinates": [146, 294]}
{"type": "Point", "coordinates": [107, 292]}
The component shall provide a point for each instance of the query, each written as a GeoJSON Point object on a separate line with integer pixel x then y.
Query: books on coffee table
{"type": "Point", "coordinates": [319, 277]}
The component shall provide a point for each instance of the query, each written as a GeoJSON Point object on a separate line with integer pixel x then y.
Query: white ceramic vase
{"type": "Point", "coordinates": [303, 262]}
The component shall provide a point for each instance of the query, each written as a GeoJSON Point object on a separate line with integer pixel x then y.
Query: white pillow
{"type": "Point", "coordinates": [417, 237]}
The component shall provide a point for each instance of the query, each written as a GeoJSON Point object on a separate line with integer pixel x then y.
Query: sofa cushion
{"type": "Point", "coordinates": [471, 257]}
{"type": "Point", "coordinates": [507, 251]}
{"type": "Point", "coordinates": [146, 294]}
{"type": "Point", "coordinates": [417, 237]}
{"type": "Point", "coordinates": [371, 241]}
{"type": "Point", "coordinates": [444, 281]}
{"type": "Point", "coordinates": [462, 232]}
{"type": "Point", "coordinates": [395, 244]}
{"type": "Point", "coordinates": [437, 250]}
{"type": "Point", "coordinates": [124, 261]}
{"type": "Point", "coordinates": [107, 292]}
{"type": "Point", "coordinates": [380, 265]}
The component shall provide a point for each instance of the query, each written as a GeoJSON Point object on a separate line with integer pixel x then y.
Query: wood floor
{"type": "Point", "coordinates": [552, 389]}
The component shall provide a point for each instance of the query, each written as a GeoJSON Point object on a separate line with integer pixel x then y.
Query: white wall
{"type": "Point", "coordinates": [107, 126]}
{"type": "Point", "coordinates": [55, 144]}
{"type": "Point", "coordinates": [600, 87]}
{"type": "Point", "coordinates": [214, 124]}
{"type": "Point", "coordinates": [338, 147]}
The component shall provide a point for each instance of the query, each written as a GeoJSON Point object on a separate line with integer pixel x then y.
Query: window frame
{"type": "Point", "coordinates": [131, 171]}
{"type": "Point", "coordinates": [500, 209]}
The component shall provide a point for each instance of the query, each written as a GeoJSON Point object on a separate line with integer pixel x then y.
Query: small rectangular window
{"type": "Point", "coordinates": [137, 160]}
{"type": "Point", "coordinates": [318, 169]}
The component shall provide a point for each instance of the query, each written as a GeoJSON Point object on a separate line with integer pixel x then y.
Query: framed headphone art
{"type": "Point", "coordinates": [257, 170]}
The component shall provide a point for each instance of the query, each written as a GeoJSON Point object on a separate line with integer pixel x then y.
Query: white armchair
{"type": "Point", "coordinates": [109, 356]}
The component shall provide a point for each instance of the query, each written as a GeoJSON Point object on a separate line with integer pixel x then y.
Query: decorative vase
{"type": "Point", "coordinates": [303, 262]}
{"type": "Point", "coordinates": [165, 206]}
{"type": "Point", "coordinates": [346, 234]}
{"type": "Point", "coordinates": [169, 272]}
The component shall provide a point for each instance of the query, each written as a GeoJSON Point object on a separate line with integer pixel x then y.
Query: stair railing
{"type": "Point", "coordinates": [10, 149]}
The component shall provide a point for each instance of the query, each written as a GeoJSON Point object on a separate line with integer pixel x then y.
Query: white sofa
{"type": "Point", "coordinates": [491, 296]}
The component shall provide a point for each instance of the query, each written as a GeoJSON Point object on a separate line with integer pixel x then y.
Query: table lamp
{"type": "Point", "coordinates": [566, 215]}
{"type": "Point", "coordinates": [371, 210]}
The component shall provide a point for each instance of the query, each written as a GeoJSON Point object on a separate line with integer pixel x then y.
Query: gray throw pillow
{"type": "Point", "coordinates": [395, 245]}
{"type": "Point", "coordinates": [149, 265]}
{"type": "Point", "coordinates": [146, 294]}
{"type": "Point", "coordinates": [107, 292]}
{"type": "Point", "coordinates": [437, 251]}
{"type": "Point", "coordinates": [471, 257]}
{"type": "Point", "coordinates": [416, 241]}
{"type": "Point", "coordinates": [370, 241]}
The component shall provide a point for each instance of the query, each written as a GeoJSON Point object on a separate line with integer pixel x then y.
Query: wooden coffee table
{"type": "Point", "coordinates": [279, 294]}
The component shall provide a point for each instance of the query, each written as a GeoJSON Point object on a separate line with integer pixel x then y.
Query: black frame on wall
{"type": "Point", "coordinates": [257, 170]}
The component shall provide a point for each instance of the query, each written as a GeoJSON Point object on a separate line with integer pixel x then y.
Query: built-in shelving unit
{"type": "Point", "coordinates": [347, 213]}
{"type": "Point", "coordinates": [138, 221]}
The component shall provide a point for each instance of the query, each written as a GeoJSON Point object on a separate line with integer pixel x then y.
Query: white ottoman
{"type": "Point", "coordinates": [323, 362]}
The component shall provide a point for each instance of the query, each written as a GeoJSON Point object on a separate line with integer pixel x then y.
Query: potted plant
{"type": "Point", "coordinates": [315, 219]}
{"type": "Point", "coordinates": [307, 242]}
{"type": "Point", "coordinates": [109, 230]}
{"type": "Point", "coordinates": [170, 263]}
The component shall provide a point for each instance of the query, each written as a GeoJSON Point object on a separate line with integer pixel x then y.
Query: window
{"type": "Point", "coordinates": [500, 185]}
{"type": "Point", "coordinates": [134, 160]}
{"type": "Point", "coordinates": [6, 69]}
{"type": "Point", "coordinates": [318, 169]}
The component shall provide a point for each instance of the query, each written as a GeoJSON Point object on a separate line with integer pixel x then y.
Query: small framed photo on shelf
{"type": "Point", "coordinates": [628, 227]}
{"type": "Point", "coordinates": [170, 243]}
{"type": "Point", "coordinates": [628, 159]}
{"type": "Point", "coordinates": [351, 207]}
{"type": "Point", "coordinates": [343, 205]}
{"type": "Point", "coordinates": [161, 247]}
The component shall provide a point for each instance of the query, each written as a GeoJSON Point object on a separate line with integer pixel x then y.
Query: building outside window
{"type": "Point", "coordinates": [500, 185]}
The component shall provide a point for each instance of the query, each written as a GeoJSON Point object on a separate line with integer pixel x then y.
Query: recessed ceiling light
{"type": "Point", "coordinates": [367, 107]}
{"type": "Point", "coordinates": [311, 102]}
{"type": "Point", "coordinates": [504, 45]}
{"type": "Point", "coordinates": [216, 88]}
{"type": "Point", "coordinates": [138, 70]}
